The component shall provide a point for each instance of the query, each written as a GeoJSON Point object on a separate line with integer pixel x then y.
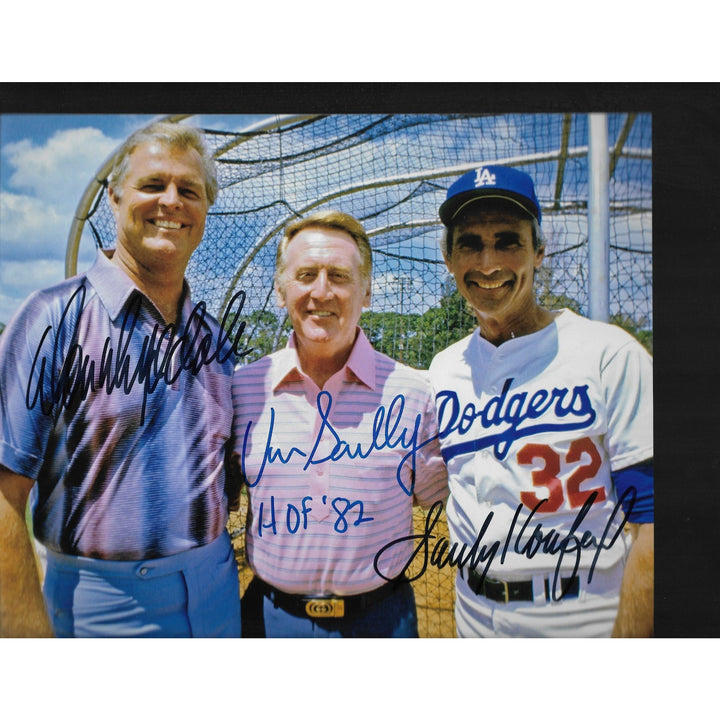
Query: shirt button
{"type": "Point", "coordinates": [143, 571]}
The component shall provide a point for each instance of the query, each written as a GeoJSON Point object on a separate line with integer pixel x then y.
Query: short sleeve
{"type": "Point", "coordinates": [33, 348]}
{"type": "Point", "coordinates": [627, 380]}
{"type": "Point", "coordinates": [23, 429]}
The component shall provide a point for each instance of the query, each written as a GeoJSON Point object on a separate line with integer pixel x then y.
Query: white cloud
{"type": "Point", "coordinates": [31, 227]}
{"type": "Point", "coordinates": [27, 276]}
{"type": "Point", "coordinates": [41, 193]}
{"type": "Point", "coordinates": [58, 171]}
{"type": "Point", "coordinates": [19, 279]}
{"type": "Point", "coordinates": [231, 123]}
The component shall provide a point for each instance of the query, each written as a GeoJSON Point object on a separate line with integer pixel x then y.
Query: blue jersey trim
{"type": "Point", "coordinates": [640, 479]}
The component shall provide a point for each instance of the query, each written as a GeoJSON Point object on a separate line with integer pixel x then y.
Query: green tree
{"type": "Point", "coordinates": [415, 339]}
{"type": "Point", "coordinates": [390, 332]}
{"type": "Point", "coordinates": [264, 333]}
{"type": "Point", "coordinates": [637, 328]}
{"type": "Point", "coordinates": [544, 292]}
{"type": "Point", "coordinates": [442, 326]}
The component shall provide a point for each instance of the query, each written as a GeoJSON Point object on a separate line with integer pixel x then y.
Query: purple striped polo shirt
{"type": "Point", "coordinates": [122, 424]}
{"type": "Point", "coordinates": [332, 475]}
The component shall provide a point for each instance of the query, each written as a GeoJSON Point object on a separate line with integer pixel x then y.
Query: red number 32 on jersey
{"type": "Point", "coordinates": [547, 475]}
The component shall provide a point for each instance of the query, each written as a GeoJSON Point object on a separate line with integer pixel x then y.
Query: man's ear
{"type": "Point", "coordinates": [114, 200]}
{"type": "Point", "coordinates": [539, 256]}
{"type": "Point", "coordinates": [446, 241]}
{"type": "Point", "coordinates": [368, 295]}
{"type": "Point", "coordinates": [279, 295]}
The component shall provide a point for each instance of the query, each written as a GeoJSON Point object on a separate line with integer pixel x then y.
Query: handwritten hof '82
{"type": "Point", "coordinates": [533, 435]}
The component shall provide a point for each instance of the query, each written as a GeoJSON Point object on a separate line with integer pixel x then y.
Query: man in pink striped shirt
{"type": "Point", "coordinates": [335, 443]}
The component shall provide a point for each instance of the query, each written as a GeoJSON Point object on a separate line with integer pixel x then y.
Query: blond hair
{"type": "Point", "coordinates": [182, 137]}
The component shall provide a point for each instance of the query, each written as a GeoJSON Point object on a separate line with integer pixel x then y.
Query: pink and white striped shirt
{"type": "Point", "coordinates": [332, 474]}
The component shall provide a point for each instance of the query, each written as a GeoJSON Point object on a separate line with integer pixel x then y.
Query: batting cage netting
{"type": "Point", "coordinates": [391, 172]}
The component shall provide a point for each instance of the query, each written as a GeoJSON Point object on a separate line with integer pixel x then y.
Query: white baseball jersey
{"type": "Point", "coordinates": [530, 432]}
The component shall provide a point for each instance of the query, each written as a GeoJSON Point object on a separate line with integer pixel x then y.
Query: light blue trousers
{"type": "Point", "coordinates": [192, 594]}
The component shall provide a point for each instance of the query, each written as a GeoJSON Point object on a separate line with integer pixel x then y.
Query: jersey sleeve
{"type": "Point", "coordinates": [636, 489]}
{"type": "Point", "coordinates": [627, 379]}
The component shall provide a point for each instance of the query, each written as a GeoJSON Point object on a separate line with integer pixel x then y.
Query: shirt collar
{"type": "Point", "coordinates": [361, 362]}
{"type": "Point", "coordinates": [114, 287]}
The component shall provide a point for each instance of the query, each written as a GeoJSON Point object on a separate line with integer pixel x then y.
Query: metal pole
{"type": "Point", "coordinates": [599, 217]}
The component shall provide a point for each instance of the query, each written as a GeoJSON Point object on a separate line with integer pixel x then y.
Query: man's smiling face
{"type": "Point", "coordinates": [493, 262]}
{"type": "Point", "coordinates": [324, 291]}
{"type": "Point", "coordinates": [161, 206]}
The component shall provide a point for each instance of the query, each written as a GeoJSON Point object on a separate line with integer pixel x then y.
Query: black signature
{"type": "Point", "coordinates": [73, 377]}
{"type": "Point", "coordinates": [528, 542]}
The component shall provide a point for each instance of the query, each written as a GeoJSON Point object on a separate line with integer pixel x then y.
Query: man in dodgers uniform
{"type": "Point", "coordinates": [545, 421]}
{"type": "Point", "coordinates": [324, 436]}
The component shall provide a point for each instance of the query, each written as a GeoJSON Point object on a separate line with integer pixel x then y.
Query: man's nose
{"type": "Point", "coordinates": [321, 288]}
{"type": "Point", "coordinates": [170, 197]}
{"type": "Point", "coordinates": [488, 261]}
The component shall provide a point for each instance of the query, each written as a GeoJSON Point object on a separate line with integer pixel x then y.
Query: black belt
{"type": "Point", "coordinates": [504, 591]}
{"type": "Point", "coordinates": [327, 606]}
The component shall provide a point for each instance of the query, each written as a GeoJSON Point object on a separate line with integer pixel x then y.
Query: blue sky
{"type": "Point", "coordinates": [46, 162]}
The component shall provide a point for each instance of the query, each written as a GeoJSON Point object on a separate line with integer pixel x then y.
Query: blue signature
{"type": "Point", "coordinates": [386, 433]}
{"type": "Point", "coordinates": [349, 513]}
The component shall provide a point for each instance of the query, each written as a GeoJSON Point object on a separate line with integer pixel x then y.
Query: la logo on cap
{"type": "Point", "coordinates": [484, 177]}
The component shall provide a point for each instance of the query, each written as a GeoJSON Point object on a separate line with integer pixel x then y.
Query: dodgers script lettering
{"type": "Point", "coordinates": [516, 416]}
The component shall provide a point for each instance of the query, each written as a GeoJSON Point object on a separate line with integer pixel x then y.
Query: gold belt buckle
{"type": "Point", "coordinates": [506, 589]}
{"type": "Point", "coordinates": [325, 608]}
